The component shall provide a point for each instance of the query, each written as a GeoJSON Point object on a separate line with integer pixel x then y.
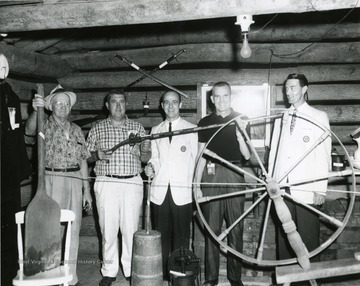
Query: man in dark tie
{"type": "Point", "coordinates": [172, 165]}
{"type": "Point", "coordinates": [298, 135]}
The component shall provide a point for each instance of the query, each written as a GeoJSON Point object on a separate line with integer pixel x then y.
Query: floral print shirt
{"type": "Point", "coordinates": [61, 152]}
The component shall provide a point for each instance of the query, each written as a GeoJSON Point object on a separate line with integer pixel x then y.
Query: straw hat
{"type": "Point", "coordinates": [58, 90]}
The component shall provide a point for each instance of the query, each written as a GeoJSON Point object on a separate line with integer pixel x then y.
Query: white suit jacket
{"type": "Point", "coordinates": [316, 163]}
{"type": "Point", "coordinates": [173, 163]}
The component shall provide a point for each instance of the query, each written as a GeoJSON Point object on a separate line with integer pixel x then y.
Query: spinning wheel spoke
{"type": "Point", "coordinates": [317, 178]}
{"type": "Point", "coordinates": [226, 231]}
{"type": "Point", "coordinates": [332, 220]}
{"type": "Point", "coordinates": [260, 251]}
{"type": "Point", "coordinates": [229, 164]}
{"type": "Point", "coordinates": [223, 196]}
{"type": "Point", "coordinates": [285, 118]}
{"type": "Point", "coordinates": [252, 148]}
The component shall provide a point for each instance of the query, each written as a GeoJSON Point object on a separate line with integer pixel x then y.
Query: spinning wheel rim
{"type": "Point", "coordinates": [267, 262]}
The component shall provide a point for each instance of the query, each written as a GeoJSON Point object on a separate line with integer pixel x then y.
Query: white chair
{"type": "Point", "coordinates": [59, 275]}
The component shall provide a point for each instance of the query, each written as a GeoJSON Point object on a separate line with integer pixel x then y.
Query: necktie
{"type": "Point", "coordinates": [293, 121]}
{"type": "Point", "coordinates": [170, 137]}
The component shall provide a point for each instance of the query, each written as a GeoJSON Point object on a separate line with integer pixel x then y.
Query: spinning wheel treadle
{"type": "Point", "coordinates": [272, 189]}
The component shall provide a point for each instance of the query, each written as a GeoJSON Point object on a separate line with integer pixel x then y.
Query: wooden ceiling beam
{"type": "Point", "coordinates": [35, 45]}
{"type": "Point", "coordinates": [32, 64]}
{"type": "Point", "coordinates": [200, 54]}
{"type": "Point", "coordinates": [65, 15]}
{"type": "Point", "coordinates": [272, 34]}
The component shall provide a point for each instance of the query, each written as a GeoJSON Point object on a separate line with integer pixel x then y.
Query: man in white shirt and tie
{"type": "Point", "coordinates": [172, 166]}
{"type": "Point", "coordinates": [305, 126]}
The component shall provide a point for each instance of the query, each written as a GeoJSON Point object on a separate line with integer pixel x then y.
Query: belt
{"type": "Point", "coordinates": [121, 177]}
{"type": "Point", "coordinates": [65, 170]}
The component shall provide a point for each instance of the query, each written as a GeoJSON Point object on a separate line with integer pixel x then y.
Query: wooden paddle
{"type": "Point", "coordinates": [42, 216]}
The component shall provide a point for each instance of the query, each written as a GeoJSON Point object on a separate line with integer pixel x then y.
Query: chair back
{"type": "Point", "coordinates": [67, 217]}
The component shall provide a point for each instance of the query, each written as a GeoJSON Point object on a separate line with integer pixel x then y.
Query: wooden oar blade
{"type": "Point", "coordinates": [42, 217]}
{"type": "Point", "coordinates": [42, 235]}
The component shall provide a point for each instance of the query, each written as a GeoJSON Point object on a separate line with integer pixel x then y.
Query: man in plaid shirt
{"type": "Point", "coordinates": [118, 187]}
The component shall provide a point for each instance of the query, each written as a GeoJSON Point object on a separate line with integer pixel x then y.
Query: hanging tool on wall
{"type": "Point", "coordinates": [165, 63]}
{"type": "Point", "coordinates": [143, 72]}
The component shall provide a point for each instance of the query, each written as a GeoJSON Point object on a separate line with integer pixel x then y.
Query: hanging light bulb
{"type": "Point", "coordinates": [245, 50]}
{"type": "Point", "coordinates": [245, 21]}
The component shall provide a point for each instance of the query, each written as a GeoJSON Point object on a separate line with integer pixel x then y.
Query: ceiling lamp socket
{"type": "Point", "coordinates": [244, 21]}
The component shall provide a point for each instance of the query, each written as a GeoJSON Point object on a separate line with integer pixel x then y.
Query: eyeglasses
{"type": "Point", "coordinates": [62, 104]}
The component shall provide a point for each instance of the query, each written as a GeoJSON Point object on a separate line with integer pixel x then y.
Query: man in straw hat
{"type": "Point", "coordinates": [65, 161]}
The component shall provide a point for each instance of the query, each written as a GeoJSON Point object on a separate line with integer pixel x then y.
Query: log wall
{"type": "Point", "coordinates": [328, 91]}
{"type": "Point", "coordinates": [333, 70]}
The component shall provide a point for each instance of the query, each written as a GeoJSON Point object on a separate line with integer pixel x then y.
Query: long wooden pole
{"type": "Point", "coordinates": [143, 72]}
{"type": "Point", "coordinates": [147, 210]}
{"type": "Point", "coordinates": [163, 64]}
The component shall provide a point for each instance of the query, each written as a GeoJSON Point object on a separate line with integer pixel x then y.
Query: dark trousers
{"type": "Point", "coordinates": [173, 222]}
{"type": "Point", "coordinates": [308, 226]}
{"type": "Point", "coordinates": [10, 204]}
{"type": "Point", "coordinates": [214, 213]}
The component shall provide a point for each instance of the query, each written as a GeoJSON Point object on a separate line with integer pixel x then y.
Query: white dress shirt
{"type": "Point", "coordinates": [173, 163]}
{"type": "Point", "coordinates": [317, 163]}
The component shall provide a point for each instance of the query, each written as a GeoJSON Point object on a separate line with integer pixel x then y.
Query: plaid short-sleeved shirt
{"type": "Point", "coordinates": [126, 159]}
{"type": "Point", "coordinates": [61, 152]}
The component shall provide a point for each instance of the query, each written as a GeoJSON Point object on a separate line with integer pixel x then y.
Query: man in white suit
{"type": "Point", "coordinates": [172, 166]}
{"type": "Point", "coordinates": [298, 135]}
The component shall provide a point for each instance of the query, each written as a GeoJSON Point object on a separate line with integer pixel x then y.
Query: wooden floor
{"type": "Point", "coordinates": [89, 275]}
{"type": "Point", "coordinates": [89, 266]}
{"type": "Point", "coordinates": [89, 272]}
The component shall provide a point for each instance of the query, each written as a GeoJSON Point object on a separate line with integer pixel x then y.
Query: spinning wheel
{"type": "Point", "coordinates": [273, 191]}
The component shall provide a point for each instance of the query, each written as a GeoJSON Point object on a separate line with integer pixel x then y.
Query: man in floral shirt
{"type": "Point", "coordinates": [65, 161]}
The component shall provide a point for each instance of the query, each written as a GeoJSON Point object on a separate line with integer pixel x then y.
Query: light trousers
{"type": "Point", "coordinates": [119, 205]}
{"type": "Point", "coordinates": [66, 190]}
